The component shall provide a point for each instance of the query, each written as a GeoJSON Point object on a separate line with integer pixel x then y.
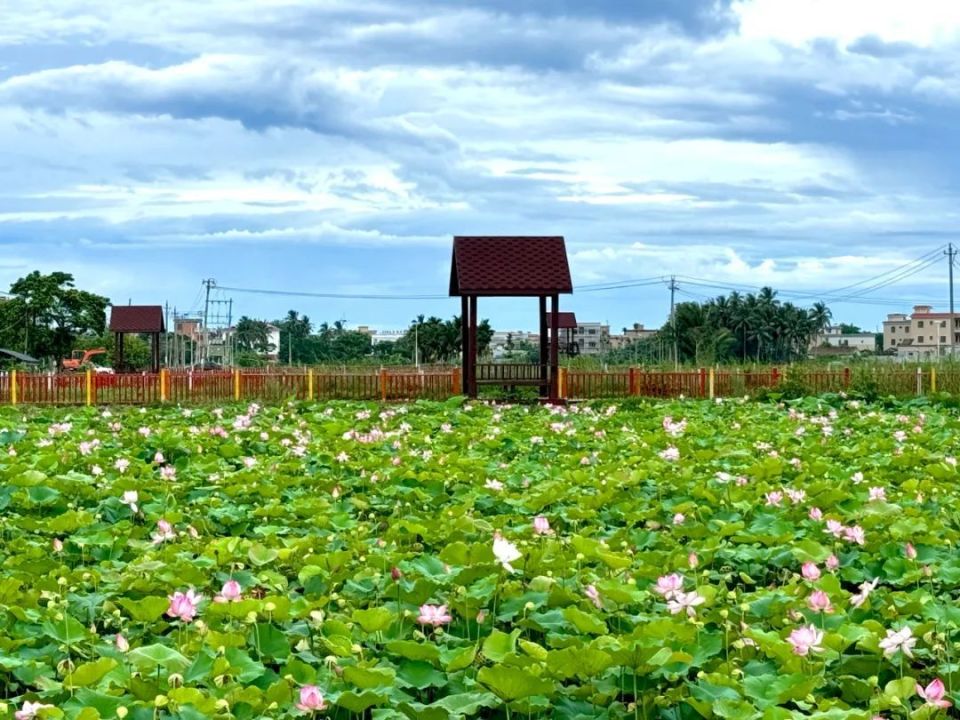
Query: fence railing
{"type": "Point", "coordinates": [407, 384]}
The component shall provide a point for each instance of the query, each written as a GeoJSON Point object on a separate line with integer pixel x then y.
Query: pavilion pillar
{"type": "Point", "coordinates": [465, 345]}
{"type": "Point", "coordinates": [118, 352]}
{"type": "Point", "coordinates": [555, 347]}
{"type": "Point", "coordinates": [544, 348]}
{"type": "Point", "coordinates": [473, 346]}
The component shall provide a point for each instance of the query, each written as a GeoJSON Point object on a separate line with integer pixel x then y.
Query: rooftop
{"type": "Point", "coordinates": [509, 266]}
{"type": "Point", "coordinates": [136, 319]}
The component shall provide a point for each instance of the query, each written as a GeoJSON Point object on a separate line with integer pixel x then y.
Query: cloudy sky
{"type": "Point", "coordinates": [335, 146]}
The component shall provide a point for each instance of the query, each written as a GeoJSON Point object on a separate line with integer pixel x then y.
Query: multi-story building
{"type": "Point", "coordinates": [592, 338]}
{"type": "Point", "coordinates": [503, 341]}
{"type": "Point", "coordinates": [921, 335]}
{"type": "Point", "coordinates": [631, 335]}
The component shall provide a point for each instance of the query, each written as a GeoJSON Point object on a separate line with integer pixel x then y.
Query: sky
{"type": "Point", "coordinates": [334, 147]}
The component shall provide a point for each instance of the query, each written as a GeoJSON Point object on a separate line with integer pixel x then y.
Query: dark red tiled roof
{"type": "Point", "coordinates": [566, 320]}
{"type": "Point", "coordinates": [514, 265]}
{"type": "Point", "coordinates": [136, 319]}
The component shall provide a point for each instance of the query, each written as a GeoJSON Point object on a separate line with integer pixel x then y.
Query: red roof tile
{"type": "Point", "coordinates": [136, 319]}
{"type": "Point", "coordinates": [509, 266]}
{"type": "Point", "coordinates": [566, 320]}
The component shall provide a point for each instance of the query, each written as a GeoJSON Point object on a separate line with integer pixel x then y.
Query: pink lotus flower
{"type": "Point", "coordinates": [902, 640]}
{"type": "Point", "coordinates": [57, 545]}
{"type": "Point", "coordinates": [164, 532]}
{"type": "Point", "coordinates": [679, 519]}
{"type": "Point", "coordinates": [693, 560]}
{"type": "Point", "coordinates": [819, 602]}
{"type": "Point", "coordinates": [796, 496]}
{"type": "Point", "coordinates": [311, 699]}
{"type": "Point", "coordinates": [158, 458]}
{"type": "Point", "coordinates": [835, 528]}
{"type": "Point", "coordinates": [857, 478]}
{"type": "Point", "coordinates": [593, 595]}
{"type": "Point", "coordinates": [810, 571]}
{"type": "Point", "coordinates": [832, 563]}
{"type": "Point", "coordinates": [774, 498]}
{"type": "Point", "coordinates": [910, 551]}
{"type": "Point", "coordinates": [855, 534]}
{"type": "Point", "coordinates": [541, 526]}
{"type": "Point", "coordinates": [481, 617]}
{"type": "Point", "coordinates": [685, 601]}
{"type": "Point", "coordinates": [671, 454]}
{"type": "Point", "coordinates": [168, 472]}
{"type": "Point", "coordinates": [184, 605]}
{"type": "Point", "coordinates": [29, 710]}
{"type": "Point", "coordinates": [805, 640]}
{"type": "Point", "coordinates": [434, 615]}
{"type": "Point", "coordinates": [899, 436]}
{"type": "Point", "coordinates": [121, 643]}
{"type": "Point", "coordinates": [494, 485]}
{"type": "Point", "coordinates": [816, 514]}
{"type": "Point", "coordinates": [933, 694]}
{"type": "Point", "coordinates": [231, 592]}
{"type": "Point", "coordinates": [878, 494]}
{"type": "Point", "coordinates": [668, 585]}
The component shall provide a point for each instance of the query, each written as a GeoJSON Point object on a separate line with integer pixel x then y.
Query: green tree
{"type": "Point", "coordinates": [253, 336]}
{"type": "Point", "coordinates": [48, 314]}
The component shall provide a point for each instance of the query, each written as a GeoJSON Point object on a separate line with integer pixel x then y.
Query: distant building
{"type": "Point", "coordinates": [381, 336]}
{"type": "Point", "coordinates": [593, 338]}
{"type": "Point", "coordinates": [502, 340]}
{"type": "Point", "coordinates": [631, 335]}
{"type": "Point", "coordinates": [837, 341]}
{"type": "Point", "coordinates": [921, 335]}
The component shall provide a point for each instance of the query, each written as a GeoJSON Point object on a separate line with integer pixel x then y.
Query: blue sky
{"type": "Point", "coordinates": [337, 146]}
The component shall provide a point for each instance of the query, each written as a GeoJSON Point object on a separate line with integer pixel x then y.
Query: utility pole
{"type": "Point", "coordinates": [673, 324]}
{"type": "Point", "coordinates": [951, 254]}
{"type": "Point", "coordinates": [209, 283]}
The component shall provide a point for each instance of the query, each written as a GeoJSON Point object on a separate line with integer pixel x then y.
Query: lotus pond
{"type": "Point", "coordinates": [675, 560]}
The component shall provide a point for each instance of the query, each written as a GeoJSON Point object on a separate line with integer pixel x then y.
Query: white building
{"type": "Point", "coordinates": [856, 342]}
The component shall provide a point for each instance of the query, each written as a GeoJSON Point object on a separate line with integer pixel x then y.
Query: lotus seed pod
{"type": "Point", "coordinates": [160, 701]}
{"type": "Point", "coordinates": [223, 704]}
{"type": "Point", "coordinates": [175, 680]}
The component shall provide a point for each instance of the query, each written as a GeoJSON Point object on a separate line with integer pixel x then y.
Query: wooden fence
{"type": "Point", "coordinates": [407, 384]}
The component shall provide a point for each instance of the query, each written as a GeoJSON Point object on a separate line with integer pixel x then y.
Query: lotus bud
{"type": "Point", "coordinates": [580, 556]}
{"type": "Point", "coordinates": [303, 645]}
{"type": "Point", "coordinates": [251, 618]}
{"type": "Point", "coordinates": [221, 650]}
{"type": "Point", "coordinates": [122, 712]}
{"type": "Point", "coordinates": [873, 681]}
{"type": "Point", "coordinates": [270, 607]}
{"type": "Point", "coordinates": [724, 613]}
{"type": "Point", "coordinates": [529, 606]}
{"type": "Point", "coordinates": [175, 680]}
{"type": "Point", "coordinates": [65, 667]}
{"type": "Point", "coordinates": [223, 705]}
{"type": "Point", "coordinates": [61, 581]}
{"type": "Point", "coordinates": [160, 701]}
{"type": "Point", "coordinates": [330, 661]}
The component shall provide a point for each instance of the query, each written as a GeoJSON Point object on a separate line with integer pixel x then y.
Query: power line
{"type": "Point", "coordinates": [332, 296]}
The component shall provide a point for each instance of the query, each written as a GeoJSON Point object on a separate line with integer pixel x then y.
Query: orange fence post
{"type": "Point", "coordinates": [383, 384]}
{"type": "Point", "coordinates": [236, 385]}
{"type": "Point", "coordinates": [846, 377]}
{"type": "Point", "coordinates": [89, 387]}
{"type": "Point", "coordinates": [164, 384]}
{"type": "Point", "coordinates": [13, 387]}
{"type": "Point", "coordinates": [775, 376]}
{"type": "Point", "coordinates": [455, 380]}
{"type": "Point", "coordinates": [703, 382]}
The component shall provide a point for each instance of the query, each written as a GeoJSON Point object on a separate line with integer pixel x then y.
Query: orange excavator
{"type": "Point", "coordinates": [81, 358]}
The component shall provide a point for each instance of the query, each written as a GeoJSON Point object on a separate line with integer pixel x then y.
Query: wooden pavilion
{"type": "Point", "coordinates": [567, 325]}
{"type": "Point", "coordinates": [511, 266]}
{"type": "Point", "coordinates": [139, 319]}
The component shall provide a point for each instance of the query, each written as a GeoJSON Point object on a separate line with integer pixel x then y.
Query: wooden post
{"type": "Point", "coordinates": [309, 383]}
{"type": "Point", "coordinates": [89, 387]}
{"type": "Point", "coordinates": [164, 384]}
{"type": "Point", "coordinates": [703, 382]}
{"type": "Point", "coordinates": [775, 377]}
{"type": "Point", "coordinates": [455, 381]}
{"type": "Point", "coordinates": [383, 384]}
{"type": "Point", "coordinates": [554, 346]}
{"type": "Point", "coordinates": [236, 384]}
{"type": "Point", "coordinates": [919, 381]}
{"type": "Point", "coordinates": [846, 377]}
{"type": "Point", "coordinates": [562, 384]}
{"type": "Point", "coordinates": [634, 390]}
{"type": "Point", "coordinates": [544, 346]}
{"type": "Point", "coordinates": [13, 387]}
{"type": "Point", "coordinates": [933, 379]}
{"type": "Point", "coordinates": [473, 346]}
{"type": "Point", "coordinates": [465, 344]}
{"type": "Point", "coordinates": [710, 384]}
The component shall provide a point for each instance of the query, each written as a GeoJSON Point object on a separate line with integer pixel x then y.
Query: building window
{"type": "Point", "coordinates": [943, 338]}
{"type": "Point", "coordinates": [919, 323]}
{"type": "Point", "coordinates": [592, 331]}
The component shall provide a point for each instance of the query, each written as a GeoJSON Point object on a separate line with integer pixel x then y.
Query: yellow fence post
{"type": "Point", "coordinates": [89, 387]}
{"type": "Point", "coordinates": [309, 383]}
{"type": "Point", "coordinates": [562, 384]}
{"type": "Point", "coordinates": [710, 380]}
{"type": "Point", "coordinates": [13, 387]}
{"type": "Point", "coordinates": [236, 385]}
{"type": "Point", "coordinates": [164, 391]}
{"type": "Point", "coordinates": [933, 380]}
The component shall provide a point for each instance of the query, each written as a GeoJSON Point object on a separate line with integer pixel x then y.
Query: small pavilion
{"type": "Point", "coordinates": [511, 266]}
{"type": "Point", "coordinates": [138, 319]}
{"type": "Point", "coordinates": [567, 325]}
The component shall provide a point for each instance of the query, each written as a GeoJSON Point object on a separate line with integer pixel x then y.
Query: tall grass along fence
{"type": "Point", "coordinates": [405, 384]}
